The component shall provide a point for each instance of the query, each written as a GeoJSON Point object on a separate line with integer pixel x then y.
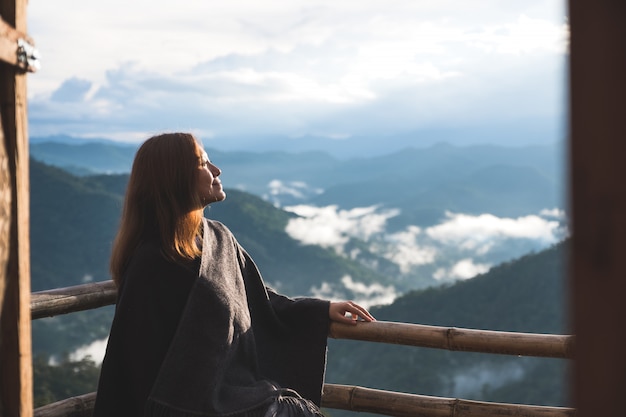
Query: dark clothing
{"type": "Point", "coordinates": [208, 338]}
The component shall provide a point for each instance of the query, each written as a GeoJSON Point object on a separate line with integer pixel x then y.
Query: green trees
{"type": "Point", "coordinates": [54, 382]}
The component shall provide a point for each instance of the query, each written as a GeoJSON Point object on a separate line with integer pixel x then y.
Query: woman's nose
{"type": "Point", "coordinates": [215, 171]}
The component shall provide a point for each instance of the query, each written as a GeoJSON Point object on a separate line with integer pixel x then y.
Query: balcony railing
{"type": "Point", "coordinates": [89, 296]}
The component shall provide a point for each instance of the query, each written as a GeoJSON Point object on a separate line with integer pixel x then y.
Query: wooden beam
{"type": "Point", "coordinates": [16, 390]}
{"type": "Point", "coordinates": [9, 37]}
{"type": "Point", "coordinates": [598, 198]}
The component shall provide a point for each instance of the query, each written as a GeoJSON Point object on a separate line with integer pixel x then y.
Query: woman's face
{"type": "Point", "coordinates": [209, 185]}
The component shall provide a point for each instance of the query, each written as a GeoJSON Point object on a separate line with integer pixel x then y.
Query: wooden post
{"type": "Point", "coordinates": [16, 394]}
{"type": "Point", "coordinates": [598, 172]}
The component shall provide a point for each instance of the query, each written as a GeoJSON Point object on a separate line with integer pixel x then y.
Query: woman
{"type": "Point", "coordinates": [196, 332]}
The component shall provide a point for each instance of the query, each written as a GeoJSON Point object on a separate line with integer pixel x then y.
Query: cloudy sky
{"type": "Point", "coordinates": [348, 76]}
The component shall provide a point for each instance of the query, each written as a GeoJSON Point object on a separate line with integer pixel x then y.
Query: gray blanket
{"type": "Point", "coordinates": [237, 346]}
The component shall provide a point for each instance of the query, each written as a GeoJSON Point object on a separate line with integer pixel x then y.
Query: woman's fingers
{"type": "Point", "coordinates": [338, 311]}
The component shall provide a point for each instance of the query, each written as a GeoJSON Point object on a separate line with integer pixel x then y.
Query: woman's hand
{"type": "Point", "coordinates": [348, 312]}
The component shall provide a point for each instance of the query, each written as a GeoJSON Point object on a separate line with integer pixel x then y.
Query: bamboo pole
{"type": "Point", "coordinates": [360, 399]}
{"type": "Point", "coordinates": [345, 397]}
{"type": "Point", "coordinates": [451, 338]}
{"type": "Point", "coordinates": [72, 299]}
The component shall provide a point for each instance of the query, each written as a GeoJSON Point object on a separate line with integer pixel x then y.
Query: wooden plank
{"type": "Point", "coordinates": [8, 42]}
{"type": "Point", "coordinates": [598, 170]}
{"type": "Point", "coordinates": [16, 394]}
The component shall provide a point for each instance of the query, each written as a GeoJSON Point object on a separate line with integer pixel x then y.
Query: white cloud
{"type": "Point", "coordinates": [369, 295]}
{"type": "Point", "coordinates": [95, 350]}
{"type": "Point", "coordinates": [296, 189]}
{"type": "Point", "coordinates": [554, 213]}
{"type": "Point", "coordinates": [331, 227]}
{"type": "Point", "coordinates": [250, 70]}
{"type": "Point", "coordinates": [168, 38]}
{"type": "Point", "coordinates": [472, 231]}
{"type": "Point", "coordinates": [463, 269]}
{"type": "Point", "coordinates": [405, 250]}
{"type": "Point", "coordinates": [523, 36]}
{"type": "Point", "coordinates": [361, 293]}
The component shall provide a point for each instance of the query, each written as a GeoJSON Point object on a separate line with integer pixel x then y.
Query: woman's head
{"type": "Point", "coordinates": [164, 173]}
{"type": "Point", "coordinates": [166, 193]}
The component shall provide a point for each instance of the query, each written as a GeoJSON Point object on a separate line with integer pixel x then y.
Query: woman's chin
{"type": "Point", "coordinates": [215, 198]}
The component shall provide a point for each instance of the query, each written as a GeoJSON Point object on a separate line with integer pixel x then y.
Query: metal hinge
{"type": "Point", "coordinates": [27, 56]}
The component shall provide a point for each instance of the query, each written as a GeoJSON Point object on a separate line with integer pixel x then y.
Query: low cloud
{"type": "Point", "coordinates": [361, 293]}
{"type": "Point", "coordinates": [555, 213]}
{"type": "Point", "coordinates": [473, 231]}
{"type": "Point", "coordinates": [333, 227]}
{"type": "Point", "coordinates": [470, 383]}
{"type": "Point", "coordinates": [463, 269]}
{"type": "Point", "coordinates": [460, 247]}
{"type": "Point", "coordinates": [95, 350]}
{"type": "Point", "coordinates": [404, 249]}
{"type": "Point", "coordinates": [290, 190]}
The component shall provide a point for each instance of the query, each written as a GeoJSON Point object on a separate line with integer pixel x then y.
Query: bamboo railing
{"type": "Point", "coordinates": [89, 296]}
{"type": "Point", "coordinates": [360, 399]}
{"type": "Point", "coordinates": [71, 299]}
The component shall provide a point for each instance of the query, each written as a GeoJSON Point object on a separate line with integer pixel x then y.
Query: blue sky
{"type": "Point", "coordinates": [352, 77]}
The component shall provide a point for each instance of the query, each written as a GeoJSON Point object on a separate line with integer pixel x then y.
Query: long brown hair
{"type": "Point", "coordinates": [161, 200]}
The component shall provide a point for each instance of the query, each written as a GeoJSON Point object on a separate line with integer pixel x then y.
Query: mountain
{"type": "Point", "coordinates": [433, 176]}
{"type": "Point", "coordinates": [85, 158]}
{"type": "Point", "coordinates": [525, 295]}
{"type": "Point", "coordinates": [73, 222]}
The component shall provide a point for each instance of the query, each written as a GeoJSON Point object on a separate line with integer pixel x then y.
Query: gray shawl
{"type": "Point", "coordinates": [238, 345]}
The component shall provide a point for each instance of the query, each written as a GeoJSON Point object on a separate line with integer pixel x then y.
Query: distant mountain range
{"type": "Point", "coordinates": [423, 183]}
